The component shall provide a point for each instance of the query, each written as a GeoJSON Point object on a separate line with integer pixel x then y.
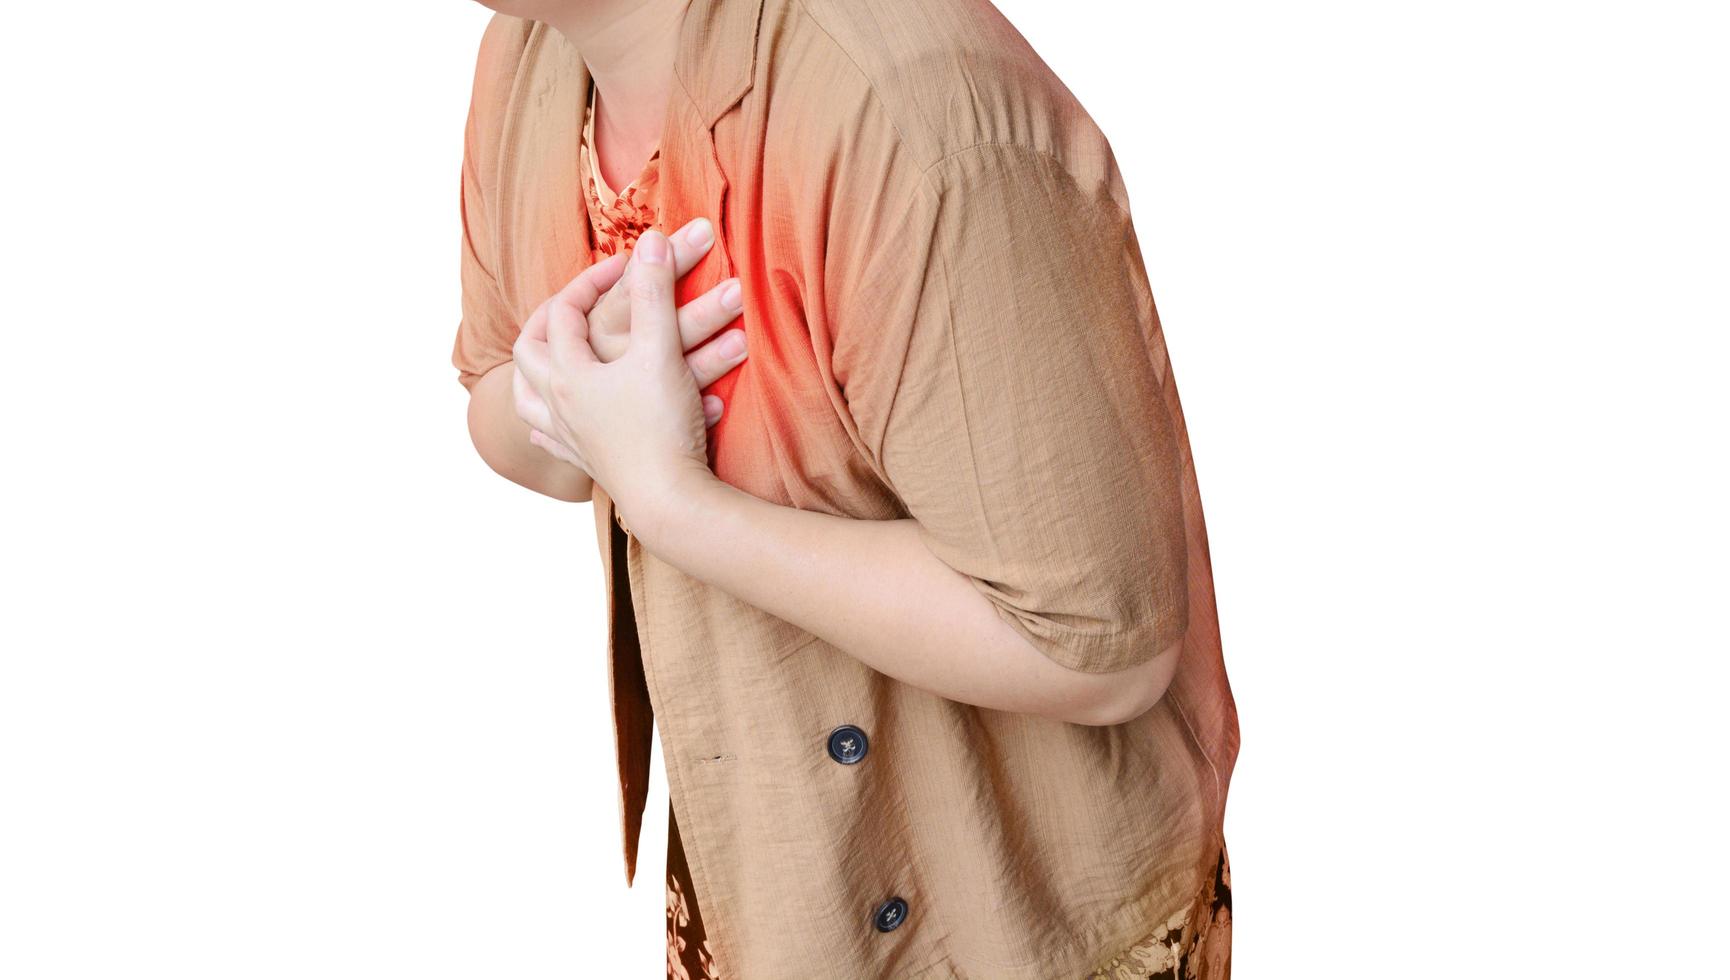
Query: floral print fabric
{"type": "Point", "coordinates": [688, 956]}
{"type": "Point", "coordinates": [1194, 944]}
{"type": "Point", "coordinates": [616, 218]}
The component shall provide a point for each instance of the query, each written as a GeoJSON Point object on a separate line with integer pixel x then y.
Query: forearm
{"type": "Point", "coordinates": [872, 589]}
{"type": "Point", "coordinates": [502, 439]}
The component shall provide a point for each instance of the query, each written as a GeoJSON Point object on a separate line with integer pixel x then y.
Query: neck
{"type": "Point", "coordinates": [628, 46]}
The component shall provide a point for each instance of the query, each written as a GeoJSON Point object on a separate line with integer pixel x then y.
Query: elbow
{"type": "Point", "coordinates": [1121, 696]}
{"type": "Point", "coordinates": [1109, 656]}
{"type": "Point", "coordinates": [483, 438]}
{"type": "Point", "coordinates": [500, 441]}
{"type": "Point", "coordinates": [1114, 678]}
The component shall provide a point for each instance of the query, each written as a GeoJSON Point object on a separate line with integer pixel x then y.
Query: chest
{"type": "Point", "coordinates": [786, 435]}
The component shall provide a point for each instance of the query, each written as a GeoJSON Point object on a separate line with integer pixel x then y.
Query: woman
{"type": "Point", "coordinates": [917, 590]}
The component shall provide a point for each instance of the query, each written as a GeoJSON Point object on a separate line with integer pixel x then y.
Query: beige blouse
{"type": "Point", "coordinates": [949, 321]}
{"type": "Point", "coordinates": [616, 219]}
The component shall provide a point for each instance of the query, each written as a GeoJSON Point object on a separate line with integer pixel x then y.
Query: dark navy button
{"type": "Point", "coordinates": [847, 744]}
{"type": "Point", "coordinates": [890, 914]}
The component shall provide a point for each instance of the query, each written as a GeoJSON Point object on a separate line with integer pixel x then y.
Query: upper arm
{"type": "Point", "coordinates": [997, 361]}
{"type": "Point", "coordinates": [488, 327]}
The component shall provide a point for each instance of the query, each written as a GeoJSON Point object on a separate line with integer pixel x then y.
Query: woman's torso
{"type": "Point", "coordinates": [1019, 842]}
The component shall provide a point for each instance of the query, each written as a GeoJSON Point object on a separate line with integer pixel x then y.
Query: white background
{"type": "Point", "coordinates": [293, 686]}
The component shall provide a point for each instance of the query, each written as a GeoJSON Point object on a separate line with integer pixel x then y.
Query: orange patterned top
{"type": "Point", "coordinates": [616, 219]}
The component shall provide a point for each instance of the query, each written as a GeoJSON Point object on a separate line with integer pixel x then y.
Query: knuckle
{"type": "Point", "coordinates": [702, 365]}
{"type": "Point", "coordinates": [649, 287]}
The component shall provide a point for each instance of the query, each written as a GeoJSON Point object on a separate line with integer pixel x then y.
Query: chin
{"type": "Point", "coordinates": [526, 9]}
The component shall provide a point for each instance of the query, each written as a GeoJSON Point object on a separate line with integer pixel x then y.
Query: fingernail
{"type": "Point", "coordinates": [711, 407]}
{"type": "Point", "coordinates": [652, 247]}
{"type": "Point", "coordinates": [698, 234]}
{"type": "Point", "coordinates": [732, 344]}
{"type": "Point", "coordinates": [730, 296]}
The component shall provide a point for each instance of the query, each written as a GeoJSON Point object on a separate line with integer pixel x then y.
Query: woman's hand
{"type": "Point", "coordinates": [636, 425]}
{"type": "Point", "coordinates": [610, 320]}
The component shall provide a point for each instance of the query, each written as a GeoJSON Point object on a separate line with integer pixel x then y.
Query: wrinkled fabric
{"type": "Point", "coordinates": [616, 220]}
{"type": "Point", "coordinates": [949, 320]}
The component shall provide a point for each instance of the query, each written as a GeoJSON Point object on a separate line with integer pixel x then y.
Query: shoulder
{"type": "Point", "coordinates": [946, 82]}
{"type": "Point", "coordinates": [510, 51]}
{"type": "Point", "coordinates": [506, 46]}
{"type": "Point", "coordinates": [503, 45]}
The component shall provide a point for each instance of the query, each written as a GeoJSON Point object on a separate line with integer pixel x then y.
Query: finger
{"type": "Point", "coordinates": [567, 339]}
{"type": "Point", "coordinates": [535, 327]}
{"type": "Point", "coordinates": [590, 284]}
{"type": "Point", "coordinates": [531, 358]}
{"type": "Point", "coordinates": [712, 408]}
{"type": "Point", "coordinates": [529, 405]}
{"type": "Point", "coordinates": [589, 291]}
{"type": "Point", "coordinates": [690, 243]}
{"type": "Point", "coordinates": [611, 316]}
{"type": "Point", "coordinates": [701, 317]}
{"type": "Point", "coordinates": [555, 448]}
{"type": "Point", "coordinates": [712, 360]}
{"type": "Point", "coordinates": [654, 320]}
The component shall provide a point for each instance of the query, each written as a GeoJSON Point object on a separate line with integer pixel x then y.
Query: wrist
{"type": "Point", "coordinates": [670, 507]}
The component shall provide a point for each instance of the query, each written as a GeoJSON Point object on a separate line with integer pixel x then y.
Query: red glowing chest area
{"type": "Point", "coordinates": [785, 435]}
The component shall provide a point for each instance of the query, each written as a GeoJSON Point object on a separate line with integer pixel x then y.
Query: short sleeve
{"type": "Point", "coordinates": [487, 329]}
{"type": "Point", "coordinates": [997, 357]}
